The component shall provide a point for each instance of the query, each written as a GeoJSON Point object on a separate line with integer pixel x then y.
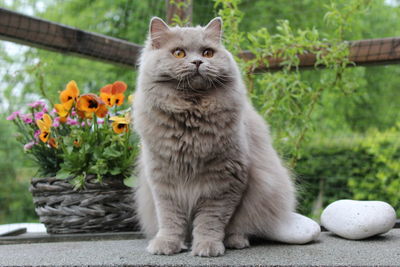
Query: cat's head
{"type": "Point", "coordinates": [187, 58]}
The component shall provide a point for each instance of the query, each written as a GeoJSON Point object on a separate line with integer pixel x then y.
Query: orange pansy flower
{"type": "Point", "coordinates": [44, 125]}
{"type": "Point", "coordinates": [71, 92]}
{"type": "Point", "coordinates": [88, 104]}
{"type": "Point", "coordinates": [77, 143]}
{"type": "Point", "coordinates": [113, 94]}
{"type": "Point", "coordinates": [102, 111]}
{"type": "Point", "coordinates": [53, 143]}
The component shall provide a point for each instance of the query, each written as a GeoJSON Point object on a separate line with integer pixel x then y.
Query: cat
{"type": "Point", "coordinates": [207, 170]}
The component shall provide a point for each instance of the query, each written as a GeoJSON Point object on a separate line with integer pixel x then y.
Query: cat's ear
{"type": "Point", "coordinates": [214, 29]}
{"type": "Point", "coordinates": [159, 32]}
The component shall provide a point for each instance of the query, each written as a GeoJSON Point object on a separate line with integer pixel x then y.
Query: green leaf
{"type": "Point", "coordinates": [111, 152]}
{"type": "Point", "coordinates": [62, 174]}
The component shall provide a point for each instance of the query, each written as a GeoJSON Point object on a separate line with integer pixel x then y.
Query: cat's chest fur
{"type": "Point", "coordinates": [190, 134]}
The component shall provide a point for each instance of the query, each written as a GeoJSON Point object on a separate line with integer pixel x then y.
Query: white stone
{"type": "Point", "coordinates": [296, 229]}
{"type": "Point", "coordinates": [354, 219]}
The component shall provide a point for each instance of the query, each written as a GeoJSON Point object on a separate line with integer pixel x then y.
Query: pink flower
{"type": "Point", "coordinates": [71, 121]}
{"type": "Point", "coordinates": [27, 118]}
{"type": "Point", "coordinates": [56, 122]}
{"type": "Point", "coordinates": [53, 112]}
{"type": "Point", "coordinates": [37, 104]}
{"type": "Point", "coordinates": [29, 145]}
{"type": "Point", "coordinates": [73, 113]}
{"type": "Point", "coordinates": [39, 115]}
{"type": "Point", "coordinates": [100, 121]}
{"type": "Point", "coordinates": [36, 134]}
{"type": "Point", "coordinates": [13, 115]}
{"type": "Point", "coordinates": [45, 110]}
{"type": "Point", "coordinates": [83, 124]}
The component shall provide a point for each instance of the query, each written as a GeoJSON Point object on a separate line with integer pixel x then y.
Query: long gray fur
{"type": "Point", "coordinates": [208, 171]}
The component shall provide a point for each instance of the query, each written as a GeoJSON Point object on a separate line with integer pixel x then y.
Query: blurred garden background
{"type": "Point", "coordinates": [337, 127]}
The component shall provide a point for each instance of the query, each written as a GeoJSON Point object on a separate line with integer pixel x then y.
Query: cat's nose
{"type": "Point", "coordinates": [197, 62]}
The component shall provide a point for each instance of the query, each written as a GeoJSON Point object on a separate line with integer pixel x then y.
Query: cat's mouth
{"type": "Point", "coordinates": [193, 81]}
{"type": "Point", "coordinates": [197, 81]}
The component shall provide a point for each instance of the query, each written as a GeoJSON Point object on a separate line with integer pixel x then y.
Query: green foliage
{"type": "Point", "coordinates": [324, 170]}
{"type": "Point", "coordinates": [180, 5]}
{"type": "Point", "coordinates": [285, 98]}
{"type": "Point", "coordinates": [295, 102]}
{"type": "Point", "coordinates": [15, 202]}
{"type": "Point", "coordinates": [124, 19]}
{"type": "Point", "coordinates": [363, 168]}
{"type": "Point", "coordinates": [382, 181]}
{"type": "Point", "coordinates": [99, 151]}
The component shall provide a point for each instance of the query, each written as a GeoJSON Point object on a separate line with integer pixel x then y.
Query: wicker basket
{"type": "Point", "coordinates": [106, 207]}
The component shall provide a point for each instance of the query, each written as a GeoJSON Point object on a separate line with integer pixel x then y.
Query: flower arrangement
{"type": "Point", "coordinates": [84, 134]}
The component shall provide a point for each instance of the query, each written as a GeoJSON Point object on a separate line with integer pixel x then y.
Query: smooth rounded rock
{"type": "Point", "coordinates": [355, 219]}
{"type": "Point", "coordinates": [296, 229]}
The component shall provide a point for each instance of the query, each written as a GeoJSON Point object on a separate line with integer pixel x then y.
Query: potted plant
{"type": "Point", "coordinates": [84, 149]}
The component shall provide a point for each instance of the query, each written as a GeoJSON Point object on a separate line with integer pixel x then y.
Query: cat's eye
{"type": "Point", "coordinates": [179, 53]}
{"type": "Point", "coordinates": [208, 52]}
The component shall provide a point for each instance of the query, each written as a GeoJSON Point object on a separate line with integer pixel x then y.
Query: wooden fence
{"type": "Point", "coordinates": [52, 36]}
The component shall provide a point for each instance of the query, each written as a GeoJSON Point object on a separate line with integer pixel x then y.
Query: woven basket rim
{"type": "Point", "coordinates": [52, 185]}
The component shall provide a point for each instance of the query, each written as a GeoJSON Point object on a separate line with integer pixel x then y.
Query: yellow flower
{"type": "Point", "coordinates": [90, 103]}
{"type": "Point", "coordinates": [44, 125]}
{"type": "Point", "coordinates": [113, 94]}
{"type": "Point", "coordinates": [64, 109]}
{"type": "Point", "coordinates": [120, 124]}
{"type": "Point", "coordinates": [71, 92]}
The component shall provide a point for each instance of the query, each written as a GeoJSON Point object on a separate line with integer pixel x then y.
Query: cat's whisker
{"type": "Point", "coordinates": [178, 87]}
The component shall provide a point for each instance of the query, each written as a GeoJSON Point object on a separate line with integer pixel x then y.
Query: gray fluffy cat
{"type": "Point", "coordinates": [208, 171]}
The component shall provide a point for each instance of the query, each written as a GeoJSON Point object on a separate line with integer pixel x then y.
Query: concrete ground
{"type": "Point", "coordinates": [330, 250]}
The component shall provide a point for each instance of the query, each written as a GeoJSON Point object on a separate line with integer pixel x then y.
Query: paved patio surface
{"type": "Point", "coordinates": [330, 250]}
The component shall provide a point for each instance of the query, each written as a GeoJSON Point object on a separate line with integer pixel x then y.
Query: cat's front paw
{"type": "Point", "coordinates": [208, 248]}
{"type": "Point", "coordinates": [236, 241]}
{"type": "Point", "coordinates": [164, 246]}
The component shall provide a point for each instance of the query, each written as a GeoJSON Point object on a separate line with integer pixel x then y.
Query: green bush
{"type": "Point", "coordinates": [16, 203]}
{"type": "Point", "coordinates": [362, 168]}
{"type": "Point", "coordinates": [381, 178]}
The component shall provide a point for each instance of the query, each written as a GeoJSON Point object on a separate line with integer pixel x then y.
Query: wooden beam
{"type": "Point", "coordinates": [45, 34]}
{"type": "Point", "coordinates": [48, 35]}
{"type": "Point", "coordinates": [362, 53]}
